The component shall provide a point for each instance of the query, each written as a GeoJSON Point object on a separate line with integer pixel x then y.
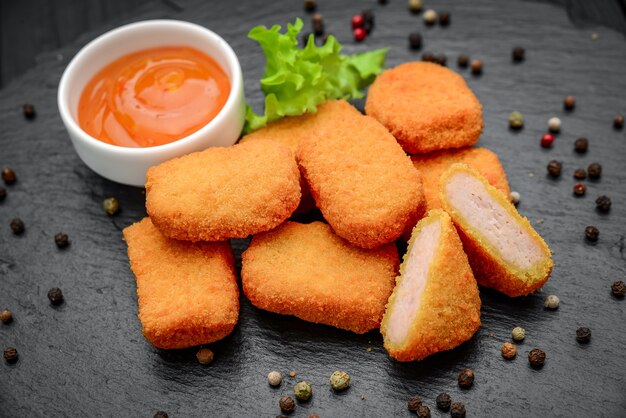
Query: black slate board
{"type": "Point", "coordinates": [88, 357]}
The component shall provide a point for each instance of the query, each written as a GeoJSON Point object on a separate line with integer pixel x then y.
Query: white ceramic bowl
{"type": "Point", "coordinates": [129, 165]}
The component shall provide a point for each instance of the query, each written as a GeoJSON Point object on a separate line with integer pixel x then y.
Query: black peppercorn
{"type": "Point", "coordinates": [536, 357]}
{"type": "Point", "coordinates": [477, 67]}
{"type": "Point", "coordinates": [554, 168]}
{"type": "Point", "coordinates": [457, 410]}
{"type": "Point", "coordinates": [443, 401]}
{"type": "Point", "coordinates": [161, 414]}
{"type": "Point", "coordinates": [603, 204]}
{"type": "Point", "coordinates": [382, 2]}
{"type": "Point", "coordinates": [462, 61]}
{"type": "Point", "coordinates": [6, 316]}
{"type": "Point", "coordinates": [580, 189]}
{"type": "Point", "coordinates": [518, 54]}
{"type": "Point", "coordinates": [55, 295]}
{"type": "Point", "coordinates": [428, 56]}
{"type": "Point", "coordinates": [61, 240]}
{"type": "Point", "coordinates": [318, 24]}
{"type": "Point", "coordinates": [17, 226]}
{"type": "Point", "coordinates": [441, 59]}
{"type": "Point", "coordinates": [287, 404]}
{"type": "Point", "coordinates": [8, 175]}
{"type": "Point", "coordinates": [414, 403]}
{"type": "Point", "coordinates": [592, 233]}
{"type": "Point", "coordinates": [310, 5]}
{"type": "Point", "coordinates": [10, 354]}
{"type": "Point", "coordinates": [466, 378]}
{"type": "Point", "coordinates": [415, 40]}
{"type": "Point", "coordinates": [583, 335]}
{"type": "Point", "coordinates": [29, 111]}
{"type": "Point", "coordinates": [618, 122]}
{"type": "Point", "coordinates": [581, 145]}
{"type": "Point", "coordinates": [368, 21]}
{"type": "Point", "coordinates": [423, 411]}
{"type": "Point", "coordinates": [618, 289]}
{"type": "Point", "coordinates": [594, 170]}
{"type": "Point", "coordinates": [444, 18]}
{"type": "Point", "coordinates": [569, 103]}
{"type": "Point", "coordinates": [3, 193]}
{"type": "Point", "coordinates": [580, 174]}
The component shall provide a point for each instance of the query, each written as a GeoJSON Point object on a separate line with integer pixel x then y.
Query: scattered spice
{"type": "Point", "coordinates": [8, 175]}
{"type": "Point", "coordinates": [161, 414]}
{"type": "Point", "coordinates": [274, 378]}
{"type": "Point", "coordinates": [477, 67]}
{"type": "Point", "coordinates": [441, 59]}
{"type": "Point", "coordinates": [415, 40]}
{"type": "Point", "coordinates": [518, 334]}
{"type": "Point", "coordinates": [359, 34]}
{"type": "Point", "coordinates": [17, 226]}
{"type": "Point", "coordinates": [554, 168]}
{"type": "Point", "coordinates": [315, 415]}
{"type": "Point", "coordinates": [303, 391]}
{"type": "Point", "coordinates": [292, 374]}
{"type": "Point", "coordinates": [383, 2]}
{"type": "Point", "coordinates": [340, 380]}
{"type": "Point", "coordinates": [457, 410]}
{"type": "Point", "coordinates": [580, 174]}
{"type": "Point", "coordinates": [55, 295]}
{"type": "Point", "coordinates": [6, 316]}
{"type": "Point", "coordinates": [569, 102]}
{"type": "Point", "coordinates": [580, 189]}
{"type": "Point", "coordinates": [362, 397]}
{"type": "Point", "coordinates": [414, 403]}
{"type": "Point", "coordinates": [3, 194]}
{"type": "Point", "coordinates": [551, 302]}
{"type": "Point", "coordinates": [357, 21]}
{"type": "Point", "coordinates": [603, 204]}
{"type": "Point", "coordinates": [554, 124]}
{"type": "Point", "coordinates": [594, 170]}
{"type": "Point", "coordinates": [618, 289]}
{"type": "Point", "coordinates": [581, 145]}
{"type": "Point", "coordinates": [415, 6]}
{"type": "Point", "coordinates": [10, 354]}
{"type": "Point", "coordinates": [428, 56]}
{"type": "Point", "coordinates": [508, 350]}
{"type": "Point", "coordinates": [111, 206]}
{"type": "Point", "coordinates": [618, 122]}
{"type": "Point", "coordinates": [444, 20]}
{"type": "Point", "coordinates": [287, 404]}
{"type": "Point", "coordinates": [368, 21]}
{"type": "Point", "coordinates": [594, 36]}
{"type": "Point", "coordinates": [318, 24]}
{"type": "Point", "coordinates": [310, 5]}
{"type": "Point", "coordinates": [205, 356]}
{"type": "Point", "coordinates": [547, 140]}
{"type": "Point", "coordinates": [466, 378]}
{"type": "Point", "coordinates": [515, 197]}
{"type": "Point", "coordinates": [518, 54]}
{"type": "Point", "coordinates": [61, 240]}
{"type": "Point", "coordinates": [516, 120]}
{"type": "Point", "coordinates": [592, 233]}
{"type": "Point", "coordinates": [462, 61]}
{"type": "Point", "coordinates": [430, 17]}
{"type": "Point", "coordinates": [536, 357]}
{"type": "Point", "coordinates": [443, 401]}
{"type": "Point", "coordinates": [583, 335]}
{"type": "Point", "coordinates": [423, 411]}
{"type": "Point", "coordinates": [29, 111]}
{"type": "Point", "coordinates": [369, 349]}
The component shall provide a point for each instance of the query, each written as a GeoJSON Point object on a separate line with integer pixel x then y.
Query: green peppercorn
{"type": "Point", "coordinates": [518, 334]}
{"type": "Point", "coordinates": [466, 378]}
{"type": "Point", "coordinates": [443, 401]}
{"type": "Point", "coordinates": [536, 357]}
{"type": "Point", "coordinates": [6, 316]}
{"type": "Point", "coordinates": [457, 410]}
{"type": "Point", "coordinates": [618, 289]}
{"type": "Point", "coordinates": [8, 175]}
{"type": "Point", "coordinates": [603, 204]}
{"type": "Point", "coordinates": [287, 404]}
{"type": "Point", "coordinates": [303, 391]}
{"type": "Point", "coordinates": [413, 403]}
{"type": "Point", "coordinates": [592, 233]}
{"type": "Point", "coordinates": [583, 335]}
{"type": "Point", "coordinates": [340, 380]}
{"type": "Point", "coordinates": [516, 120]}
{"type": "Point", "coordinates": [10, 354]}
{"type": "Point", "coordinates": [111, 206]}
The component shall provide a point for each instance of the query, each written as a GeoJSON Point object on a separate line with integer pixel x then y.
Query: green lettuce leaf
{"type": "Point", "coordinates": [296, 80]}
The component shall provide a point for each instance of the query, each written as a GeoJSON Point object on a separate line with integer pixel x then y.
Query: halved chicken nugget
{"type": "Point", "coordinates": [435, 305]}
{"type": "Point", "coordinates": [223, 193]}
{"type": "Point", "coordinates": [426, 106]}
{"type": "Point", "coordinates": [307, 271]}
{"type": "Point", "coordinates": [362, 181]}
{"type": "Point", "coordinates": [504, 250]}
{"type": "Point", "coordinates": [187, 292]}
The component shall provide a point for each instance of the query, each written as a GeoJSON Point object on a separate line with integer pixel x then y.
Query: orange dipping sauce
{"type": "Point", "coordinates": [153, 97]}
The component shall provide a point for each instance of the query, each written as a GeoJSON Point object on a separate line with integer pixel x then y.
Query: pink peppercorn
{"type": "Point", "coordinates": [547, 140]}
{"type": "Point", "coordinates": [359, 34]}
{"type": "Point", "coordinates": [357, 21]}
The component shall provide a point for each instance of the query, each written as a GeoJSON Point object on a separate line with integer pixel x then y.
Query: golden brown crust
{"type": "Point", "coordinates": [362, 181]}
{"type": "Point", "coordinates": [187, 292]}
{"type": "Point", "coordinates": [223, 193]}
{"type": "Point", "coordinates": [488, 266]}
{"type": "Point", "coordinates": [449, 312]}
{"type": "Point", "coordinates": [427, 107]}
{"type": "Point", "coordinates": [307, 271]}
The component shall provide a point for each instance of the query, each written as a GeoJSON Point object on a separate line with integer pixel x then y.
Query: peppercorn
{"type": "Point", "coordinates": [580, 174]}
{"type": "Point", "coordinates": [428, 56]}
{"type": "Point", "coordinates": [10, 354]}
{"type": "Point", "coordinates": [8, 175]}
{"type": "Point", "coordinates": [444, 18]}
{"type": "Point", "coordinates": [55, 295]}
{"type": "Point", "coordinates": [583, 335]}
{"type": "Point", "coordinates": [292, 374]}
{"type": "Point", "coordinates": [318, 24]}
{"type": "Point", "coordinates": [466, 378]}
{"type": "Point", "coordinates": [518, 334]}
{"type": "Point", "coordinates": [581, 145]}
{"type": "Point", "coordinates": [443, 401]}
{"type": "Point", "coordinates": [441, 59]}
{"type": "Point", "coordinates": [303, 391]}
{"type": "Point", "coordinates": [508, 350]}
{"type": "Point", "coordinates": [310, 5]}
{"type": "Point", "coordinates": [61, 240]}
{"type": "Point", "coordinates": [414, 403]}
{"type": "Point", "coordinates": [580, 189]}
{"type": "Point", "coordinates": [274, 378]}
{"type": "Point", "coordinates": [430, 17]}
{"type": "Point", "coordinates": [17, 226]}
{"type": "Point", "coordinates": [516, 120]}
{"type": "Point", "coordinates": [287, 404]}
{"type": "Point", "coordinates": [415, 40]}
{"type": "Point", "coordinates": [111, 206]}
{"type": "Point", "coordinates": [382, 2]}
{"type": "Point", "coordinates": [6, 316]}
{"type": "Point", "coordinates": [554, 168]}
{"type": "Point", "coordinates": [515, 197]}
{"type": "Point", "coordinates": [423, 411]}
{"type": "Point", "coordinates": [592, 233]}
{"type": "Point", "coordinates": [205, 356]}
{"type": "Point", "coordinates": [415, 6]}
{"type": "Point", "coordinates": [618, 289]}
{"type": "Point", "coordinates": [3, 194]}
{"type": "Point", "coordinates": [554, 124]}
{"type": "Point", "coordinates": [462, 61]}
{"type": "Point", "coordinates": [161, 414]}
{"type": "Point", "coordinates": [477, 67]}
{"type": "Point", "coordinates": [29, 111]}
{"type": "Point", "coordinates": [340, 380]}
{"type": "Point", "coordinates": [536, 357]}
{"type": "Point", "coordinates": [551, 302]}
{"type": "Point", "coordinates": [618, 122]}
{"type": "Point", "coordinates": [359, 34]}
{"type": "Point", "coordinates": [547, 140]}
{"type": "Point", "coordinates": [368, 21]}
{"type": "Point", "coordinates": [518, 54]}
{"type": "Point", "coordinates": [315, 415]}
{"type": "Point", "coordinates": [457, 410]}
{"type": "Point", "coordinates": [594, 170]}
{"type": "Point", "coordinates": [357, 21]}
{"type": "Point", "coordinates": [603, 204]}
{"type": "Point", "coordinates": [569, 102]}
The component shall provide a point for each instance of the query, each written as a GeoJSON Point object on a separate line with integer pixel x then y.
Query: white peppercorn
{"type": "Point", "coordinates": [518, 334]}
{"type": "Point", "coordinates": [554, 124]}
{"type": "Point", "coordinates": [274, 378]}
{"type": "Point", "coordinates": [515, 197]}
{"type": "Point", "coordinates": [430, 17]}
{"type": "Point", "coordinates": [551, 302]}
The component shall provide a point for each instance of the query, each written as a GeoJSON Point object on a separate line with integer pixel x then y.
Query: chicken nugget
{"type": "Point", "coordinates": [504, 250]}
{"type": "Point", "coordinates": [435, 305]}
{"type": "Point", "coordinates": [307, 271]}
{"type": "Point", "coordinates": [365, 185]}
{"type": "Point", "coordinates": [223, 193]}
{"type": "Point", "coordinates": [187, 292]}
{"type": "Point", "coordinates": [426, 106]}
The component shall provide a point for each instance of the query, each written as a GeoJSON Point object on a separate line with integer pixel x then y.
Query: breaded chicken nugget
{"type": "Point", "coordinates": [223, 193]}
{"type": "Point", "coordinates": [307, 271]}
{"type": "Point", "coordinates": [426, 106]}
{"type": "Point", "coordinates": [187, 293]}
{"type": "Point", "coordinates": [504, 250]}
{"type": "Point", "coordinates": [362, 181]}
{"type": "Point", "coordinates": [435, 305]}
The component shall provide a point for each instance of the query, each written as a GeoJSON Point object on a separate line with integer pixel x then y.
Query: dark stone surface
{"type": "Point", "coordinates": [87, 357]}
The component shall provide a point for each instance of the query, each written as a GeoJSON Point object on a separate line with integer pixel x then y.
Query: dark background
{"type": "Point", "coordinates": [88, 357]}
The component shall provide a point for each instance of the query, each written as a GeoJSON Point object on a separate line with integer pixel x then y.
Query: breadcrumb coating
{"type": "Point", "coordinates": [187, 292]}
{"type": "Point", "coordinates": [307, 271]}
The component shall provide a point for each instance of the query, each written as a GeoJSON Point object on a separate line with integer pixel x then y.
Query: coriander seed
{"type": "Point", "coordinates": [161, 414]}
{"type": "Point", "coordinates": [603, 204]}
{"type": "Point", "coordinates": [554, 124]}
{"type": "Point", "coordinates": [569, 102]}
{"type": "Point", "coordinates": [6, 316]}
{"type": "Point", "coordinates": [303, 391]}
{"type": "Point", "coordinates": [508, 350]}
{"type": "Point", "coordinates": [111, 206]}
{"type": "Point", "coordinates": [415, 41]}
{"type": "Point", "coordinates": [444, 18]}
{"type": "Point", "coordinates": [518, 54]}
{"type": "Point", "coordinates": [310, 5]}
{"type": "Point", "coordinates": [592, 233]}
{"type": "Point", "coordinates": [457, 410]}
{"type": "Point", "coordinates": [56, 296]}
{"type": "Point", "coordinates": [274, 378]}
{"type": "Point", "coordinates": [580, 174]}
{"type": "Point", "coordinates": [618, 122]}
{"type": "Point", "coordinates": [318, 24]}
{"type": "Point", "coordinates": [466, 378]}
{"type": "Point", "coordinates": [3, 194]}
{"type": "Point", "coordinates": [618, 289]}
{"type": "Point", "coordinates": [61, 240]}
{"type": "Point", "coordinates": [551, 302]}
{"type": "Point", "coordinates": [415, 6]}
{"type": "Point", "coordinates": [518, 334]}
{"type": "Point", "coordinates": [413, 403]}
{"type": "Point", "coordinates": [205, 356]}
{"type": "Point", "coordinates": [10, 354]}
{"type": "Point", "coordinates": [287, 404]}
{"type": "Point", "coordinates": [443, 401]}
{"type": "Point", "coordinates": [516, 120]}
{"type": "Point", "coordinates": [29, 111]}
{"type": "Point", "coordinates": [423, 411]}
{"type": "Point", "coordinates": [594, 171]}
{"type": "Point", "coordinates": [580, 189]}
{"type": "Point", "coordinates": [462, 61]}
{"type": "Point", "coordinates": [583, 335]}
{"type": "Point", "coordinates": [430, 17]}
{"type": "Point", "coordinates": [536, 357]}
{"type": "Point", "coordinates": [339, 380]}
{"type": "Point", "coordinates": [17, 226]}
{"type": "Point", "coordinates": [8, 175]}
{"type": "Point", "coordinates": [554, 168]}
{"type": "Point", "coordinates": [477, 67]}
{"type": "Point", "coordinates": [515, 197]}
{"type": "Point", "coordinates": [581, 145]}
